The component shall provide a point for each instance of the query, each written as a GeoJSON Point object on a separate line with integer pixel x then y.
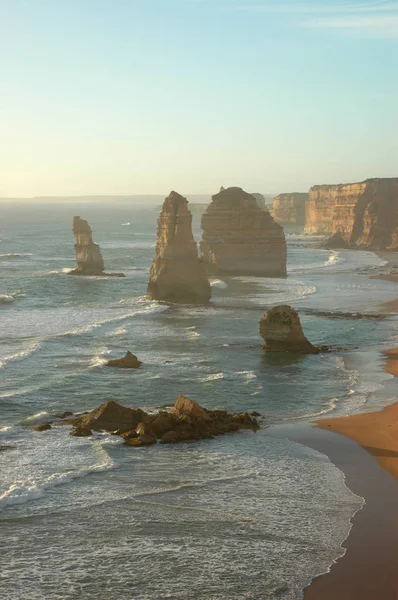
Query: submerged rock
{"type": "Point", "coordinates": [130, 361]}
{"type": "Point", "coordinates": [239, 238]}
{"type": "Point", "coordinates": [88, 255]}
{"type": "Point", "coordinates": [177, 274]}
{"type": "Point", "coordinates": [281, 330]}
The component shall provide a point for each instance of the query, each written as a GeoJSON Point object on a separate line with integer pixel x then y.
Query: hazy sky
{"type": "Point", "coordinates": [144, 96]}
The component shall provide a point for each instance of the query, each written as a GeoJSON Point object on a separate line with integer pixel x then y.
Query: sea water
{"type": "Point", "coordinates": [245, 516]}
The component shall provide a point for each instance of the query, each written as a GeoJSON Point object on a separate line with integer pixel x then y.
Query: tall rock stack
{"type": "Point", "coordinates": [289, 209]}
{"type": "Point", "coordinates": [241, 239]}
{"type": "Point", "coordinates": [88, 255]}
{"type": "Point", "coordinates": [177, 274]}
{"type": "Point", "coordinates": [363, 215]}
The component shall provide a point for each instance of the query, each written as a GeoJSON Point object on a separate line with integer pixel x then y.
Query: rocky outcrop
{"type": "Point", "coordinates": [241, 239]}
{"type": "Point", "coordinates": [130, 361]}
{"type": "Point", "coordinates": [361, 215]}
{"type": "Point", "coordinates": [42, 427]}
{"type": "Point", "coordinates": [177, 274]}
{"type": "Point", "coordinates": [88, 255]}
{"type": "Point", "coordinates": [186, 421]}
{"type": "Point", "coordinates": [111, 416]}
{"type": "Point", "coordinates": [289, 209]}
{"type": "Point", "coordinates": [281, 330]}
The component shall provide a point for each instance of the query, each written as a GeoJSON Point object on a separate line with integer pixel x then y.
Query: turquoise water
{"type": "Point", "coordinates": [244, 516]}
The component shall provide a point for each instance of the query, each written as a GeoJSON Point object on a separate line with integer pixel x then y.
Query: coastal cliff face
{"type": "Point", "coordinates": [362, 214]}
{"type": "Point", "coordinates": [177, 275]}
{"type": "Point", "coordinates": [88, 256]}
{"type": "Point", "coordinates": [241, 239]}
{"type": "Point", "coordinates": [289, 209]}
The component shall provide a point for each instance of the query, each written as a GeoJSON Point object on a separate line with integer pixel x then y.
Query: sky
{"type": "Point", "coordinates": [144, 96]}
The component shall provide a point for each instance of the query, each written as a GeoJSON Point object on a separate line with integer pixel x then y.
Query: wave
{"type": "Point", "coordinates": [23, 491]}
{"type": "Point", "coordinates": [20, 355]}
{"type": "Point", "coordinates": [15, 255]}
{"type": "Point", "coordinates": [191, 332]}
{"type": "Point", "coordinates": [35, 419]}
{"type": "Point", "coordinates": [217, 283]}
{"type": "Point", "coordinates": [126, 224]}
{"type": "Point", "coordinates": [6, 299]}
{"type": "Point", "coordinates": [58, 271]}
{"type": "Point", "coordinates": [150, 309]}
{"type": "Point", "coordinates": [248, 375]}
{"type": "Point", "coordinates": [213, 377]}
{"type": "Point", "coordinates": [99, 359]}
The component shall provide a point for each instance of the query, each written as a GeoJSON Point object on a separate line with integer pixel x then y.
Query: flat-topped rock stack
{"type": "Point", "coordinates": [289, 209]}
{"type": "Point", "coordinates": [88, 255]}
{"type": "Point", "coordinates": [177, 274]}
{"type": "Point", "coordinates": [359, 215]}
{"type": "Point", "coordinates": [239, 238]}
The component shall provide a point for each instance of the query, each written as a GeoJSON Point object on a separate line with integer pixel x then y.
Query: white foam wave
{"type": "Point", "coordinates": [39, 417]}
{"type": "Point", "coordinates": [248, 375]}
{"type": "Point", "coordinates": [6, 299]}
{"type": "Point", "coordinates": [217, 283]}
{"type": "Point", "coordinates": [58, 271]}
{"type": "Point", "coordinates": [214, 377]}
{"type": "Point", "coordinates": [126, 224]}
{"type": "Point", "coordinates": [99, 359]}
{"type": "Point", "coordinates": [25, 490]}
{"type": "Point", "coordinates": [191, 332]}
{"type": "Point", "coordinates": [28, 351]}
{"type": "Point", "coordinates": [117, 332]}
{"type": "Point", "coordinates": [15, 255]}
{"type": "Point", "coordinates": [152, 308]}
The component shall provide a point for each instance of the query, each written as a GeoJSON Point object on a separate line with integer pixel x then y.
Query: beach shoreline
{"type": "Point", "coordinates": [368, 570]}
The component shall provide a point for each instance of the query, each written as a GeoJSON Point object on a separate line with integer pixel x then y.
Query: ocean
{"type": "Point", "coordinates": [244, 516]}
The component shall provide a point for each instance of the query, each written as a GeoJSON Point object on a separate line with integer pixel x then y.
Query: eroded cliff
{"type": "Point", "coordinates": [363, 215]}
{"type": "Point", "coordinates": [241, 239]}
{"type": "Point", "coordinates": [177, 274]}
{"type": "Point", "coordinates": [289, 209]}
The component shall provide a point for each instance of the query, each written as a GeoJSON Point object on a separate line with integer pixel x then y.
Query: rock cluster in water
{"type": "Point", "coordinates": [186, 421]}
{"type": "Point", "coordinates": [177, 274]}
{"type": "Point", "coordinates": [88, 255]}
{"type": "Point", "coordinates": [239, 238]}
{"type": "Point", "coordinates": [360, 215]}
{"type": "Point", "coordinates": [289, 209]}
{"type": "Point", "coordinates": [281, 330]}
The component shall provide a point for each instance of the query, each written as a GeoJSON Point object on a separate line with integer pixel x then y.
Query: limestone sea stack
{"type": "Point", "coordinates": [239, 238]}
{"type": "Point", "coordinates": [88, 255]}
{"type": "Point", "coordinates": [177, 274]}
{"type": "Point", "coordinates": [289, 209]}
{"type": "Point", "coordinates": [281, 330]}
{"type": "Point", "coordinates": [359, 215]}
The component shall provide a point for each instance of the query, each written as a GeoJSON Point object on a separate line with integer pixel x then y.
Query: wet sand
{"type": "Point", "coordinates": [391, 365]}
